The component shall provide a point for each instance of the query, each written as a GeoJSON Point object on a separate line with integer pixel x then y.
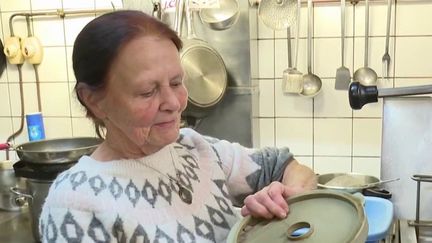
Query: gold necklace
{"type": "Point", "coordinates": [184, 193]}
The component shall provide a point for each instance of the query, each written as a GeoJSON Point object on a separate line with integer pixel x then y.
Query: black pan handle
{"type": "Point", "coordinates": [377, 192]}
{"type": "Point", "coordinates": [359, 95]}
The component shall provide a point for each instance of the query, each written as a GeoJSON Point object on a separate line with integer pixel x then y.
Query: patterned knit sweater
{"type": "Point", "coordinates": [136, 201]}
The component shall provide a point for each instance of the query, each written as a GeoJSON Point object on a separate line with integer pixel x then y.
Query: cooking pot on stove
{"type": "Point", "coordinates": [308, 221]}
{"type": "Point", "coordinates": [35, 195]}
{"type": "Point", "coordinates": [8, 180]}
{"type": "Point", "coordinates": [59, 150]}
{"type": "Point", "coordinates": [38, 178]}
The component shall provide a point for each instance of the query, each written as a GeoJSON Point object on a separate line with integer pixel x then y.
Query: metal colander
{"type": "Point", "coordinates": [278, 14]}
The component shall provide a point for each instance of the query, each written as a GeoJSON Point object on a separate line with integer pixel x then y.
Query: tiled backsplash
{"type": "Point", "coordinates": [323, 132]}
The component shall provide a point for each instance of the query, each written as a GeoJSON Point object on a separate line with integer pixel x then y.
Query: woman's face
{"type": "Point", "coordinates": [145, 95]}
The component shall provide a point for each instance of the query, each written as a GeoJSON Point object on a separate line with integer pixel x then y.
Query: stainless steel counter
{"type": "Point", "coordinates": [15, 227]}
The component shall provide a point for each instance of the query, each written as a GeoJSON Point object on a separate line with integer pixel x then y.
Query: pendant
{"type": "Point", "coordinates": [184, 194]}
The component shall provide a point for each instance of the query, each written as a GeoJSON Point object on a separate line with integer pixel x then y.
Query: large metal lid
{"type": "Point", "coordinates": [206, 76]}
{"type": "Point", "coordinates": [317, 216]}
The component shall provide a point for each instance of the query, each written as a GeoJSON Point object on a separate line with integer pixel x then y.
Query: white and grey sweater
{"type": "Point", "coordinates": [135, 201]}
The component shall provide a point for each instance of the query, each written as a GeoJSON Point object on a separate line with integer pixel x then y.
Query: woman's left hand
{"type": "Point", "coordinates": [270, 201]}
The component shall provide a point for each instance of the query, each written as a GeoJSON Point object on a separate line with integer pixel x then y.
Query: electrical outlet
{"type": "Point", "coordinates": [32, 50]}
{"type": "Point", "coordinates": [12, 50]}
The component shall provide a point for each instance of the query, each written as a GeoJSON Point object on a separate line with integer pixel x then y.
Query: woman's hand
{"type": "Point", "coordinates": [270, 201]}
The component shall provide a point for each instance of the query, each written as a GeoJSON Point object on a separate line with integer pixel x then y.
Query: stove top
{"type": "Point", "coordinates": [40, 171]}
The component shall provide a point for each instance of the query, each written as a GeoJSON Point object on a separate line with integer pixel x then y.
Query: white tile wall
{"type": "Point", "coordinates": [4, 100]}
{"type": "Point", "coordinates": [44, 28]}
{"type": "Point", "coordinates": [332, 136]}
{"type": "Point", "coordinates": [296, 133]}
{"type": "Point", "coordinates": [323, 132]}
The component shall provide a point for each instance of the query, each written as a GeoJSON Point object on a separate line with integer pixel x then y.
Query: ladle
{"type": "Point", "coordinates": [311, 83]}
{"type": "Point", "coordinates": [366, 75]}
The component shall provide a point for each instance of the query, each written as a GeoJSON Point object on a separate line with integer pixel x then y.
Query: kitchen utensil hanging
{"type": "Point", "coordinates": [311, 83]}
{"type": "Point", "coordinates": [386, 60]}
{"type": "Point", "coordinates": [205, 72]}
{"type": "Point", "coordinates": [277, 14]}
{"type": "Point", "coordinates": [366, 75]}
{"type": "Point", "coordinates": [343, 75]}
{"type": "Point", "coordinates": [292, 79]}
{"type": "Point", "coordinates": [223, 17]}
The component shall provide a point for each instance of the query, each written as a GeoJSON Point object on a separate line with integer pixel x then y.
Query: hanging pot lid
{"type": "Point", "coordinates": [206, 76]}
{"type": "Point", "coordinates": [278, 14]}
{"type": "Point", "coordinates": [317, 216]}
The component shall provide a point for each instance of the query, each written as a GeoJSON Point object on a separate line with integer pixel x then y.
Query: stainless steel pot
{"type": "Point", "coordinates": [223, 17]}
{"type": "Point", "coordinates": [59, 150]}
{"type": "Point", "coordinates": [7, 180]}
{"type": "Point", "coordinates": [35, 195]}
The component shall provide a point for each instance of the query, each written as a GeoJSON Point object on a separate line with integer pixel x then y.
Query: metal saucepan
{"type": "Point", "coordinates": [59, 150]}
{"type": "Point", "coordinates": [223, 17]}
{"type": "Point", "coordinates": [349, 182]}
{"type": "Point", "coordinates": [205, 71]}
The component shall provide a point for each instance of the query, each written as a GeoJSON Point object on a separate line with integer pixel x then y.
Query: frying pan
{"type": "Point", "coordinates": [60, 150]}
{"type": "Point", "coordinates": [205, 70]}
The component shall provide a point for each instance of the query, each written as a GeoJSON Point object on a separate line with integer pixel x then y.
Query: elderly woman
{"type": "Point", "coordinates": [150, 181]}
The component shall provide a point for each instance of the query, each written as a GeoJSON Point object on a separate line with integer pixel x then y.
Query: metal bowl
{"type": "Point", "coordinates": [348, 182]}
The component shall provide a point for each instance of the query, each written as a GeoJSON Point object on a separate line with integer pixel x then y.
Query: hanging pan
{"type": "Point", "coordinates": [223, 17]}
{"type": "Point", "coordinates": [205, 71]}
{"type": "Point", "coordinates": [278, 14]}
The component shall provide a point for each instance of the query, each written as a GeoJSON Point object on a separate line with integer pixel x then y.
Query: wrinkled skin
{"type": "Point", "coordinates": [142, 102]}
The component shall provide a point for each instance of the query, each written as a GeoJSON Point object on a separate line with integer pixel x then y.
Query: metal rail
{"type": "Point", "coordinates": [59, 12]}
{"type": "Point", "coordinates": [255, 3]}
